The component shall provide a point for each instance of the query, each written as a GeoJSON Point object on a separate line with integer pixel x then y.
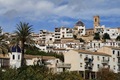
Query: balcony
{"type": "Point", "coordinates": [118, 69]}
{"type": "Point", "coordinates": [88, 68]}
{"type": "Point", "coordinates": [118, 63]}
{"type": "Point", "coordinates": [63, 65]}
{"type": "Point", "coordinates": [104, 61]}
{"type": "Point", "coordinates": [88, 60]}
{"type": "Point", "coordinates": [118, 56]}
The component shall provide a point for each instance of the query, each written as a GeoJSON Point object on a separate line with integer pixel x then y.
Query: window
{"type": "Point", "coordinates": [94, 45]}
{"type": "Point", "coordinates": [13, 57]}
{"type": "Point", "coordinates": [109, 66]}
{"type": "Point", "coordinates": [18, 57]}
{"type": "Point", "coordinates": [98, 58]}
{"type": "Point", "coordinates": [57, 61]}
{"type": "Point", "coordinates": [80, 64]}
{"type": "Point", "coordinates": [50, 38]}
{"type": "Point", "coordinates": [95, 20]}
{"type": "Point", "coordinates": [103, 58]}
{"type": "Point", "coordinates": [92, 57]}
{"type": "Point", "coordinates": [114, 59]}
{"type": "Point", "coordinates": [108, 59]}
{"type": "Point", "coordinates": [114, 67]}
{"type": "Point", "coordinates": [118, 53]}
{"type": "Point", "coordinates": [80, 55]}
{"type": "Point", "coordinates": [99, 45]}
{"type": "Point", "coordinates": [98, 66]}
{"type": "Point", "coordinates": [113, 52]}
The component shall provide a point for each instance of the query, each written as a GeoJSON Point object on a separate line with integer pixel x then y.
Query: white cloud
{"type": "Point", "coordinates": [44, 8]}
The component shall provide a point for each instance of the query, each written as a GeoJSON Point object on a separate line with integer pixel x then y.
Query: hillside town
{"type": "Point", "coordinates": [84, 50]}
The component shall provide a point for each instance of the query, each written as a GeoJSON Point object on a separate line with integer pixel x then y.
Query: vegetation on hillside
{"type": "Point", "coordinates": [37, 73]}
{"type": "Point", "coordinates": [32, 50]}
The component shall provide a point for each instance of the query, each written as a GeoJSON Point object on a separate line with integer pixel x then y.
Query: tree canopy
{"type": "Point", "coordinates": [106, 74]}
{"type": "Point", "coordinates": [37, 73]}
{"type": "Point", "coordinates": [118, 38]}
{"type": "Point", "coordinates": [106, 36]}
{"type": "Point", "coordinates": [96, 36]}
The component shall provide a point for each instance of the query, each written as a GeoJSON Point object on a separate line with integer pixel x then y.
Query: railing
{"type": "Point", "coordinates": [88, 68]}
{"type": "Point", "coordinates": [118, 69]}
{"type": "Point", "coordinates": [105, 61]}
{"type": "Point", "coordinates": [63, 65]}
{"type": "Point", "coordinates": [86, 60]}
{"type": "Point", "coordinates": [118, 56]}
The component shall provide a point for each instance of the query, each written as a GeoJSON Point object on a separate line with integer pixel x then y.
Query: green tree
{"type": "Point", "coordinates": [118, 38]}
{"type": "Point", "coordinates": [23, 35]}
{"type": "Point", "coordinates": [96, 36]}
{"type": "Point", "coordinates": [68, 76]}
{"type": "Point", "coordinates": [106, 74]}
{"type": "Point", "coordinates": [74, 36]}
{"type": "Point", "coordinates": [82, 40]}
{"type": "Point", "coordinates": [106, 36]}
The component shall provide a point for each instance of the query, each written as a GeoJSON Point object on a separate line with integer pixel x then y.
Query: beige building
{"type": "Point", "coordinates": [97, 27]}
{"type": "Point", "coordinates": [86, 62]}
{"type": "Point", "coordinates": [90, 31]}
{"type": "Point", "coordinates": [115, 57]}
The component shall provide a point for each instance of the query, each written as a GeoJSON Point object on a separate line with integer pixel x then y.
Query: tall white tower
{"type": "Point", "coordinates": [15, 57]}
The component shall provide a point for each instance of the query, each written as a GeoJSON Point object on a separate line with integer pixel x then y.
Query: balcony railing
{"type": "Point", "coordinates": [86, 60]}
{"type": "Point", "coordinates": [88, 68]}
{"type": "Point", "coordinates": [118, 69]}
{"type": "Point", "coordinates": [118, 56]}
{"type": "Point", "coordinates": [118, 62]}
{"type": "Point", "coordinates": [104, 61]}
{"type": "Point", "coordinates": [63, 65]}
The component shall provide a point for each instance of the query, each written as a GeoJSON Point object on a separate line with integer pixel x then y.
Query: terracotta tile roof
{"type": "Point", "coordinates": [38, 56]}
{"type": "Point", "coordinates": [4, 56]}
{"type": "Point", "coordinates": [116, 48]}
{"type": "Point", "coordinates": [59, 49]}
{"type": "Point", "coordinates": [93, 53]}
{"type": "Point", "coordinates": [90, 29]}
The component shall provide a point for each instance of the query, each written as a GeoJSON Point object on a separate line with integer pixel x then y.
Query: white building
{"type": "Point", "coordinates": [79, 29]}
{"type": "Point", "coordinates": [15, 57]}
{"type": "Point", "coordinates": [113, 32]}
{"type": "Point", "coordinates": [95, 45]}
{"type": "Point", "coordinates": [46, 37]}
{"type": "Point", "coordinates": [100, 29]}
{"type": "Point", "coordinates": [63, 32]}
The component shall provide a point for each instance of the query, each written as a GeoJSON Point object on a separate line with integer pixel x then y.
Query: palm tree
{"type": "Point", "coordinates": [4, 48]}
{"type": "Point", "coordinates": [23, 35]}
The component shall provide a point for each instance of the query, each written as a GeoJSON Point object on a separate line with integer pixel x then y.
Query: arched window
{"type": "Point", "coordinates": [13, 57]}
{"type": "Point", "coordinates": [95, 20]}
{"type": "Point", "coordinates": [18, 57]}
{"type": "Point", "coordinates": [113, 52]}
{"type": "Point", "coordinates": [118, 53]}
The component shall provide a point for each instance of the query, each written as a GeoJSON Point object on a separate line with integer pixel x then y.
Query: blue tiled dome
{"type": "Point", "coordinates": [79, 23]}
{"type": "Point", "coordinates": [16, 49]}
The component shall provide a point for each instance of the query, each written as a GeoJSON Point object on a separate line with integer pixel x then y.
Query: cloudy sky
{"type": "Point", "coordinates": [48, 14]}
